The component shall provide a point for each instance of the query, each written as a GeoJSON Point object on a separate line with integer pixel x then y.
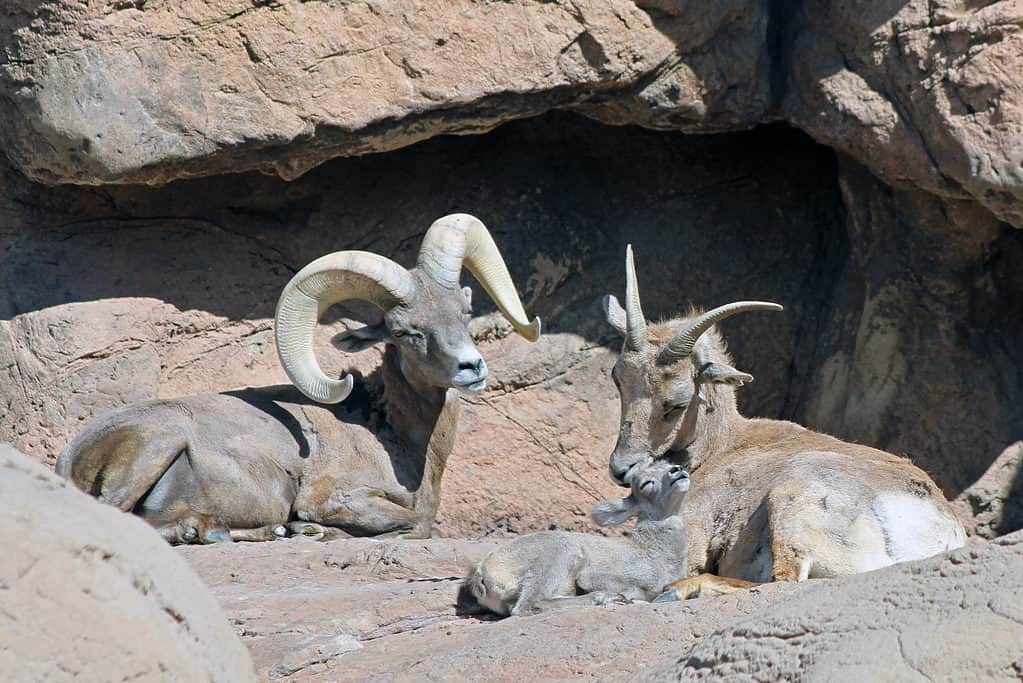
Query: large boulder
{"type": "Point", "coordinates": [925, 94]}
{"type": "Point", "coordinates": [90, 593]}
{"type": "Point", "coordinates": [953, 617]}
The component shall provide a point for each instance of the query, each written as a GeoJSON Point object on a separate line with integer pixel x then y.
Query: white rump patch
{"type": "Point", "coordinates": [915, 528]}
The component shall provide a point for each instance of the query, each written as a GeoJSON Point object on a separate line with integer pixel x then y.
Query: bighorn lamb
{"type": "Point", "coordinates": [547, 568]}
{"type": "Point", "coordinates": [240, 464]}
{"type": "Point", "coordinates": [771, 500]}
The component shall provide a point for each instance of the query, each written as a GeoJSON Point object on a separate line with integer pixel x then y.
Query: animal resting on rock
{"type": "Point", "coordinates": [771, 500]}
{"type": "Point", "coordinates": [549, 569]}
{"type": "Point", "coordinates": [243, 464]}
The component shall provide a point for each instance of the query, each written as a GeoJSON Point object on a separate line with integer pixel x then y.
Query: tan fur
{"type": "Point", "coordinates": [770, 500]}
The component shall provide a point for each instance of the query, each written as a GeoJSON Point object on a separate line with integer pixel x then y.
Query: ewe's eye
{"type": "Point", "coordinates": [671, 412]}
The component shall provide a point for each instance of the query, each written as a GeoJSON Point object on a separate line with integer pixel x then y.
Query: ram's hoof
{"type": "Point", "coordinates": [307, 529]}
{"type": "Point", "coordinates": [670, 595]}
{"type": "Point", "coordinates": [279, 531]}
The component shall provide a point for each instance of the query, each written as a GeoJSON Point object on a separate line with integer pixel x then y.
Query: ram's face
{"type": "Point", "coordinates": [432, 336]}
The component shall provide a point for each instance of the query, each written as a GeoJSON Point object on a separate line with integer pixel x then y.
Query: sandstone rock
{"type": "Point", "coordinates": [89, 593]}
{"type": "Point", "coordinates": [152, 91]}
{"type": "Point", "coordinates": [952, 617]}
{"type": "Point", "coordinates": [371, 610]}
{"type": "Point", "coordinates": [925, 94]}
{"type": "Point", "coordinates": [995, 501]}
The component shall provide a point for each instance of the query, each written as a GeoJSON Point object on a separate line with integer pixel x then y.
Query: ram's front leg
{"type": "Point", "coordinates": [367, 511]}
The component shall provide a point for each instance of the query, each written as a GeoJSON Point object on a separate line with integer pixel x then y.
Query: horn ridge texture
{"type": "Point", "coordinates": [460, 240]}
{"type": "Point", "coordinates": [330, 279]}
{"type": "Point", "coordinates": [635, 321]}
{"type": "Point", "coordinates": [683, 342]}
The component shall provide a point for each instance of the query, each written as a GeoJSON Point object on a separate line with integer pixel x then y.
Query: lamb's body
{"type": "Point", "coordinates": [547, 567]}
{"type": "Point", "coordinates": [533, 571]}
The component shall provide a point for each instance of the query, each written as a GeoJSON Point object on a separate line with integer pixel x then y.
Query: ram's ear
{"type": "Point", "coordinates": [614, 512]}
{"type": "Point", "coordinates": [719, 373]}
{"type": "Point", "coordinates": [355, 339]}
{"type": "Point", "coordinates": [615, 314]}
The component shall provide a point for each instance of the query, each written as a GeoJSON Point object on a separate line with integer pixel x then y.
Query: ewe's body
{"type": "Point", "coordinates": [545, 568]}
{"type": "Point", "coordinates": [241, 464]}
{"type": "Point", "coordinates": [771, 500]}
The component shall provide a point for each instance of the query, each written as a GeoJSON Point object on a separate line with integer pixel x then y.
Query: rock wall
{"type": "Point", "coordinates": [894, 254]}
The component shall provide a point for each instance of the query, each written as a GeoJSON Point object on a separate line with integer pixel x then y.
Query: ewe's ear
{"type": "Point", "coordinates": [719, 373]}
{"type": "Point", "coordinates": [355, 339]}
{"type": "Point", "coordinates": [615, 314]}
{"type": "Point", "coordinates": [614, 512]}
{"type": "Point", "coordinates": [467, 294]}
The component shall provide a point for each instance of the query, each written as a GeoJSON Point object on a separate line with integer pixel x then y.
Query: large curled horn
{"type": "Point", "coordinates": [681, 345]}
{"type": "Point", "coordinates": [460, 239]}
{"type": "Point", "coordinates": [635, 325]}
{"type": "Point", "coordinates": [341, 276]}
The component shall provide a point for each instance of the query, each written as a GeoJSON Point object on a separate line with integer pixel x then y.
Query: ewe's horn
{"type": "Point", "coordinates": [341, 276]}
{"type": "Point", "coordinates": [635, 321]}
{"type": "Point", "coordinates": [460, 239]}
{"type": "Point", "coordinates": [681, 345]}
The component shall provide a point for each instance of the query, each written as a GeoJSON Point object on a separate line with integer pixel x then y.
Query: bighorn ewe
{"type": "Point", "coordinates": [239, 465]}
{"type": "Point", "coordinates": [546, 568]}
{"type": "Point", "coordinates": [771, 500]}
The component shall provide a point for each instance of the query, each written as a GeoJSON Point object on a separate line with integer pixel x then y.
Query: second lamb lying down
{"type": "Point", "coordinates": [549, 568]}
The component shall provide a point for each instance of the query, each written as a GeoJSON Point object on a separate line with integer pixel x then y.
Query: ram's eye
{"type": "Point", "coordinates": [398, 334]}
{"type": "Point", "coordinates": [646, 485]}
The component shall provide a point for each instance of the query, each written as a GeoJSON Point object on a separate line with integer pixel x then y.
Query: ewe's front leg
{"type": "Point", "coordinates": [703, 586]}
{"type": "Point", "coordinates": [367, 511]}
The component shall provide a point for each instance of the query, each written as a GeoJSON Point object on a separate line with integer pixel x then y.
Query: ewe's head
{"type": "Point", "coordinates": [658, 490]}
{"type": "Point", "coordinates": [663, 375]}
{"type": "Point", "coordinates": [426, 311]}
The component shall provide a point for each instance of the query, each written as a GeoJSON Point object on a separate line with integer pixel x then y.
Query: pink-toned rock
{"type": "Point", "coordinates": [88, 593]}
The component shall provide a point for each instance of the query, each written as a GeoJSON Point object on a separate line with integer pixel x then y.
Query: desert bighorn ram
{"type": "Point", "coordinates": [548, 568]}
{"type": "Point", "coordinates": [771, 500]}
{"type": "Point", "coordinates": [239, 465]}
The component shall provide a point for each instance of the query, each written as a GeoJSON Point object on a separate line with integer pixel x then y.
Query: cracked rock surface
{"type": "Point", "coordinates": [385, 610]}
{"type": "Point", "coordinates": [88, 593]}
{"type": "Point", "coordinates": [926, 94]}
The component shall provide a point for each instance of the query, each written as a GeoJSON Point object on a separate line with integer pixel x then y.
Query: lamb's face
{"type": "Point", "coordinates": [659, 488]}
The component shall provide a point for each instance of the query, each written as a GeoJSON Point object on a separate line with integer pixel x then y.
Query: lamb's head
{"type": "Point", "coordinates": [658, 491]}
{"type": "Point", "coordinates": [426, 311]}
{"type": "Point", "coordinates": [664, 374]}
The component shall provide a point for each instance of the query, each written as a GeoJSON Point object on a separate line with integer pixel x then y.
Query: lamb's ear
{"type": "Point", "coordinates": [615, 314]}
{"type": "Point", "coordinates": [719, 373]}
{"type": "Point", "coordinates": [614, 512]}
{"type": "Point", "coordinates": [355, 339]}
{"type": "Point", "coordinates": [467, 295]}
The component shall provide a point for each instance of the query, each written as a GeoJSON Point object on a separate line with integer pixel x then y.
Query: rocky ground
{"type": "Point", "coordinates": [377, 610]}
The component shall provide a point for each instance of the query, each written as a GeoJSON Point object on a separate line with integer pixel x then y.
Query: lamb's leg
{"type": "Point", "coordinates": [367, 511]}
{"type": "Point", "coordinates": [541, 586]}
{"type": "Point", "coordinates": [703, 586]}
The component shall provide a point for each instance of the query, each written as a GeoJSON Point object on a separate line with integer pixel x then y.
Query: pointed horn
{"type": "Point", "coordinates": [460, 239]}
{"type": "Point", "coordinates": [681, 345]}
{"type": "Point", "coordinates": [330, 279]}
{"type": "Point", "coordinates": [635, 320]}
